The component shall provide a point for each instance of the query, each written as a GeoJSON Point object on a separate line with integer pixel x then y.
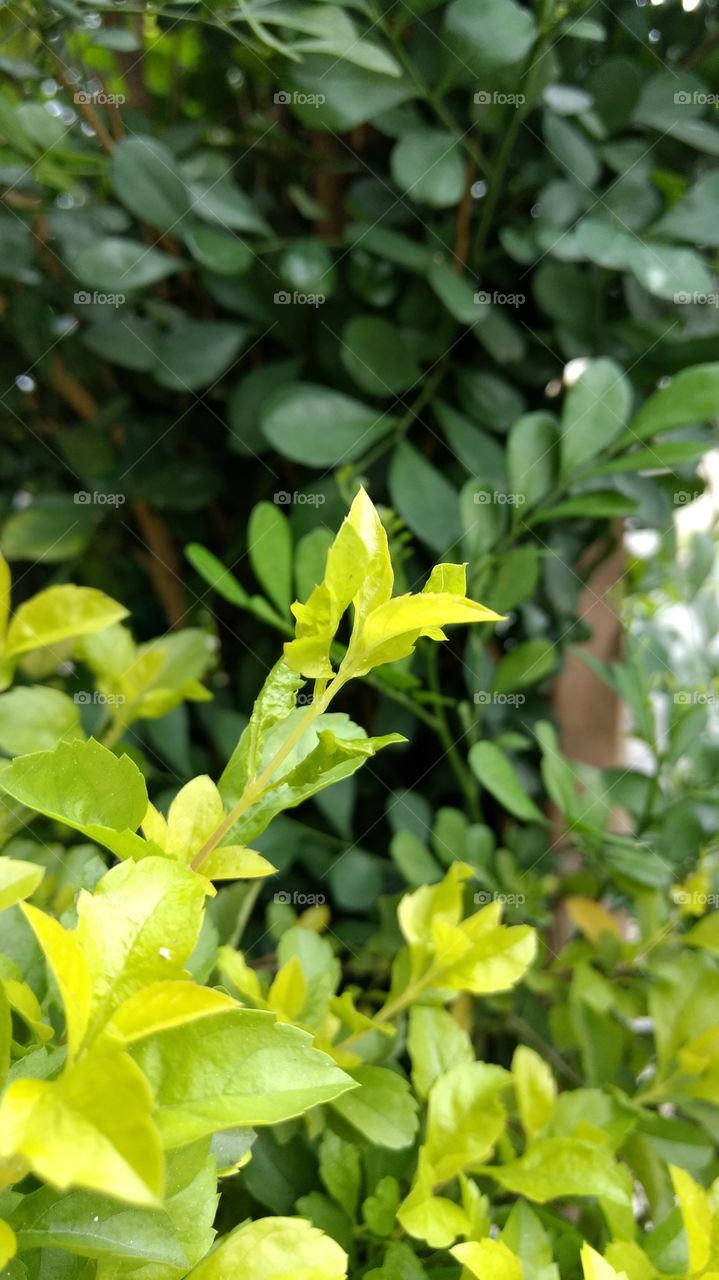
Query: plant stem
{"type": "Point", "coordinates": [496, 183]}
{"type": "Point", "coordinates": [429, 387]}
{"type": "Point", "coordinates": [256, 786]}
{"type": "Point", "coordinates": [434, 100]}
{"type": "Point", "coordinates": [393, 1007]}
{"type": "Point", "coordinates": [444, 733]}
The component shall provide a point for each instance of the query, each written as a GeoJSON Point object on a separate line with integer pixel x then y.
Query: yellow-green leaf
{"type": "Point", "coordinates": [87, 787]}
{"type": "Point", "coordinates": [238, 1068]}
{"type": "Point", "coordinates": [23, 1001]}
{"type": "Point", "coordinates": [436, 1042]}
{"type": "Point", "coordinates": [92, 1127]}
{"type": "Point", "coordinates": [5, 583]}
{"type": "Point", "coordinates": [378, 579]}
{"type": "Point", "coordinates": [236, 972]}
{"type": "Point", "coordinates": [69, 968]}
{"type": "Point", "coordinates": [318, 619]}
{"type": "Point", "coordinates": [392, 630]}
{"type": "Point", "coordinates": [167, 1004]}
{"type": "Point", "coordinates": [553, 1168]}
{"type": "Point", "coordinates": [383, 1108]}
{"type": "Point", "coordinates": [154, 826]}
{"type": "Point", "coordinates": [18, 880]}
{"type": "Point", "coordinates": [696, 1215]}
{"type": "Point", "coordinates": [489, 1260]}
{"type": "Point", "coordinates": [596, 1268]}
{"type": "Point", "coordinates": [288, 992]}
{"type": "Point", "coordinates": [36, 718]}
{"type": "Point", "coordinates": [592, 918]}
{"type": "Point", "coordinates": [498, 956]}
{"type": "Point", "coordinates": [359, 572]}
{"type": "Point", "coordinates": [465, 1117]}
{"type": "Point", "coordinates": [60, 613]}
{"type": "Point", "coordinates": [536, 1089]}
{"type": "Point", "coordinates": [8, 1243]}
{"type": "Point", "coordinates": [429, 1217]}
{"type": "Point", "coordinates": [417, 911]}
{"type": "Point", "coordinates": [275, 1249]}
{"type": "Point", "coordinates": [139, 926]}
{"type": "Point", "coordinates": [235, 862]}
{"type": "Point", "coordinates": [194, 814]}
{"type": "Point", "coordinates": [627, 1257]}
{"type": "Point", "coordinates": [478, 954]}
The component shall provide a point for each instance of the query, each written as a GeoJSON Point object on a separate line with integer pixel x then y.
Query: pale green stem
{"type": "Point", "coordinates": [393, 1007]}
{"type": "Point", "coordinates": [256, 786]}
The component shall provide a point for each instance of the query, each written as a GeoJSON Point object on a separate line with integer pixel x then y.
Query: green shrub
{"type": "Point", "coordinates": [495, 228]}
{"type": "Point", "coordinates": [454, 152]}
{"type": "Point", "coordinates": [144, 1054]}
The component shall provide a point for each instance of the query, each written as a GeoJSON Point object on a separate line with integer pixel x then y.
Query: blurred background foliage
{"type": "Point", "coordinates": [463, 252]}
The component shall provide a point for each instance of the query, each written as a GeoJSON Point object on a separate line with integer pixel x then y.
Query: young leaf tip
{"type": "Point", "coordinates": [385, 628]}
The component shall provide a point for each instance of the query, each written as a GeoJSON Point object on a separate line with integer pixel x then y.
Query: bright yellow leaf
{"type": "Point", "coordinates": [275, 1249]}
{"type": "Point", "coordinates": [536, 1089]}
{"type": "Point", "coordinates": [235, 971]}
{"type": "Point", "coordinates": [59, 613]}
{"type": "Point", "coordinates": [596, 1268]}
{"type": "Point", "coordinates": [236, 862]}
{"type": "Point", "coordinates": [17, 880]}
{"type": "Point", "coordinates": [4, 596]}
{"type": "Point", "coordinates": [194, 814]}
{"type": "Point", "coordinates": [8, 1243]}
{"type": "Point", "coordinates": [90, 1128]}
{"type": "Point", "coordinates": [154, 826]}
{"type": "Point", "coordinates": [426, 1216]}
{"type": "Point", "coordinates": [591, 918]}
{"type": "Point", "coordinates": [288, 992]}
{"type": "Point", "coordinates": [696, 1214]}
{"type": "Point", "coordinates": [167, 1004]}
{"type": "Point", "coordinates": [69, 968]}
{"type": "Point", "coordinates": [489, 1260]}
{"type": "Point", "coordinates": [22, 1000]}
